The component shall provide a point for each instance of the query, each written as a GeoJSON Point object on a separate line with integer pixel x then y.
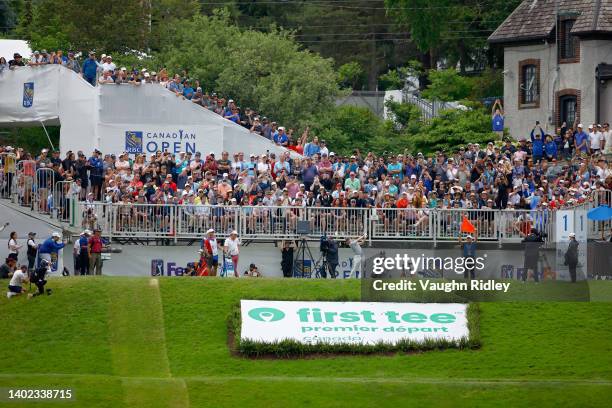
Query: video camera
{"type": "Point", "coordinates": [324, 244]}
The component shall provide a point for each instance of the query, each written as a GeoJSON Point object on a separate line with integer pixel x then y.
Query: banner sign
{"type": "Point", "coordinates": [28, 94]}
{"type": "Point", "coordinates": [351, 322]}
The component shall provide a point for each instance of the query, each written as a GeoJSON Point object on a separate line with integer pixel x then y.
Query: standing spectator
{"type": "Point", "coordinates": [72, 63]}
{"type": "Point", "coordinates": [83, 259]}
{"type": "Point", "coordinates": [32, 250]}
{"type": "Point", "coordinates": [95, 245]}
{"type": "Point", "coordinates": [4, 66]}
{"type": "Point", "coordinates": [210, 250]}
{"type": "Point", "coordinates": [596, 138]}
{"type": "Point", "coordinates": [581, 141]}
{"type": "Point", "coordinates": [90, 69]}
{"type": "Point", "coordinates": [17, 61]}
{"type": "Point", "coordinates": [497, 118]}
{"type": "Point", "coordinates": [36, 59]}
{"type": "Point", "coordinates": [571, 256]}
{"type": "Point", "coordinates": [607, 134]}
{"type": "Point", "coordinates": [108, 64]}
{"type": "Point", "coordinates": [13, 246]}
{"type": "Point", "coordinates": [231, 247]}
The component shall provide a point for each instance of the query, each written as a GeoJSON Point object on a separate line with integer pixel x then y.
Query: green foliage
{"type": "Point", "coordinates": [348, 127]}
{"type": "Point", "coordinates": [406, 116]}
{"type": "Point", "coordinates": [349, 74]}
{"type": "Point", "coordinates": [489, 83]}
{"type": "Point", "coordinates": [399, 77]}
{"type": "Point", "coordinates": [266, 71]}
{"type": "Point", "coordinates": [451, 129]}
{"type": "Point", "coordinates": [447, 85]}
{"type": "Point", "coordinates": [31, 139]}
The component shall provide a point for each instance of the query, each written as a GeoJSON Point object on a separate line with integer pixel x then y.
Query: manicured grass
{"type": "Point", "coordinates": [124, 342]}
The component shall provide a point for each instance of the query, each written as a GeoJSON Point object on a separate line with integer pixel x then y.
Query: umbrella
{"type": "Point", "coordinates": [601, 213]}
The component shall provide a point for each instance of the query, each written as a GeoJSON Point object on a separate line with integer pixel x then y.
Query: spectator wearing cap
{"type": "Point", "coordinates": [231, 247]}
{"type": "Point", "coordinates": [95, 245]}
{"type": "Point", "coordinates": [581, 141]}
{"type": "Point", "coordinates": [32, 249]}
{"type": "Point", "coordinates": [537, 143]}
{"type": "Point", "coordinates": [17, 61]}
{"type": "Point", "coordinates": [108, 64]}
{"type": "Point", "coordinates": [36, 59]}
{"type": "Point", "coordinates": [281, 137]}
{"type": "Point", "coordinates": [90, 69]}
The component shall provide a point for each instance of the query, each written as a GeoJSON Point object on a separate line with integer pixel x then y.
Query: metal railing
{"type": "Point", "coordinates": [191, 221]}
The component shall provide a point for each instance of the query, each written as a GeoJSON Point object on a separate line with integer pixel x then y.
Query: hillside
{"type": "Point", "coordinates": [147, 343]}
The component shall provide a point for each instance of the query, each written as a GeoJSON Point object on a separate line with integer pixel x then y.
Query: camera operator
{"type": "Point", "coordinates": [355, 245]}
{"type": "Point", "coordinates": [533, 241]}
{"type": "Point", "coordinates": [329, 249]}
{"type": "Point", "coordinates": [37, 277]}
{"type": "Point", "coordinates": [287, 248]}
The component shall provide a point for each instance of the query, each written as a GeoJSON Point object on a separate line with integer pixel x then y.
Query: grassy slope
{"type": "Point", "coordinates": [105, 338]}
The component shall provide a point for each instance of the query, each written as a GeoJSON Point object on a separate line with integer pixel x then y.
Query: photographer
{"type": "Point", "coordinates": [329, 249]}
{"type": "Point", "coordinates": [533, 241]}
{"type": "Point", "coordinates": [37, 277]}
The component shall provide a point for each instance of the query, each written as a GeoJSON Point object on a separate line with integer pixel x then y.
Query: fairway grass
{"type": "Point", "coordinates": [138, 342]}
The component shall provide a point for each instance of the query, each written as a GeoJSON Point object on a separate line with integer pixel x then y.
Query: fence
{"type": "Point", "coordinates": [7, 176]}
{"type": "Point", "coordinates": [190, 221]}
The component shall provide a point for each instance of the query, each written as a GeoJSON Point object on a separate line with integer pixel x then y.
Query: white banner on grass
{"type": "Point", "coordinates": [351, 322]}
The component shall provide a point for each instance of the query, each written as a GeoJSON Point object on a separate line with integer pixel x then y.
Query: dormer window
{"type": "Point", "coordinates": [568, 43]}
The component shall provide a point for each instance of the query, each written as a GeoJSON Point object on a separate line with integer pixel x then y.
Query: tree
{"type": "Point", "coordinates": [265, 71]}
{"type": "Point", "coordinates": [447, 85]}
{"type": "Point", "coordinates": [349, 74]}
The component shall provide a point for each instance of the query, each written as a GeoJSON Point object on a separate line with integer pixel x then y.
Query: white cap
{"type": "Point", "coordinates": [571, 234]}
{"type": "Point", "coordinates": [590, 126]}
{"type": "Point", "coordinates": [210, 230]}
{"type": "Point", "coordinates": [470, 237]}
{"type": "Point", "coordinates": [225, 174]}
{"type": "Point", "coordinates": [234, 232]}
{"type": "Point", "coordinates": [56, 234]}
{"type": "Point", "coordinates": [580, 125]}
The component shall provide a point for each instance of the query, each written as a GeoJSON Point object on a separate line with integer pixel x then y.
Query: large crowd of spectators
{"type": "Point", "coordinates": [540, 171]}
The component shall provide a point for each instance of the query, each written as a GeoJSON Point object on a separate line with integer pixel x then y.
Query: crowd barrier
{"type": "Point", "coordinates": [169, 221]}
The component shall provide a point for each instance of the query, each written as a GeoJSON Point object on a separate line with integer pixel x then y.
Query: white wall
{"type": "Point", "coordinates": [579, 76]}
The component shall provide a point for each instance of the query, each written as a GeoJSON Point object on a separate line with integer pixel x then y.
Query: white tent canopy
{"type": "Point", "coordinates": [9, 47]}
{"type": "Point", "coordinates": [118, 118]}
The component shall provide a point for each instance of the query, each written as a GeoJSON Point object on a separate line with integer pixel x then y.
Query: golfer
{"type": "Point", "coordinates": [355, 245]}
{"type": "Point", "coordinates": [469, 252]}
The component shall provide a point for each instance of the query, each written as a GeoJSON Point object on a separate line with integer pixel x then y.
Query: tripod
{"type": "Point", "coordinates": [303, 254]}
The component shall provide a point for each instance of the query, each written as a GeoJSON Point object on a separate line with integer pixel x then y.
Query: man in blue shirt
{"type": "Point", "coordinates": [50, 247]}
{"type": "Point", "coordinates": [90, 68]}
{"type": "Point", "coordinates": [581, 140]}
{"type": "Point", "coordinates": [312, 148]}
{"type": "Point", "coordinates": [537, 143]}
{"type": "Point", "coordinates": [187, 90]}
{"type": "Point", "coordinates": [281, 137]}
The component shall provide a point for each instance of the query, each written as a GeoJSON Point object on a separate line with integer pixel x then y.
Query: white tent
{"type": "Point", "coordinates": [9, 47]}
{"type": "Point", "coordinates": [117, 118]}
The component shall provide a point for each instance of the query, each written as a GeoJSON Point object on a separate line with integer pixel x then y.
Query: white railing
{"type": "Point", "coordinates": [190, 221]}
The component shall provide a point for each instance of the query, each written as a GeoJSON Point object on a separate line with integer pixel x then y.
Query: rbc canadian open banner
{"type": "Point", "coordinates": [351, 322]}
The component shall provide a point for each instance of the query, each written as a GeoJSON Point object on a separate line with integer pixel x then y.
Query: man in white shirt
{"type": "Point", "coordinates": [607, 134]}
{"type": "Point", "coordinates": [20, 276]}
{"type": "Point", "coordinates": [595, 138]}
{"type": "Point", "coordinates": [231, 247]}
{"type": "Point", "coordinates": [355, 245]}
{"type": "Point", "coordinates": [108, 64]}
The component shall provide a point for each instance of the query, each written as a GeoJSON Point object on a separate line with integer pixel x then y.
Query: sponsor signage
{"type": "Point", "coordinates": [172, 140]}
{"type": "Point", "coordinates": [351, 322]}
{"type": "Point", "coordinates": [28, 94]}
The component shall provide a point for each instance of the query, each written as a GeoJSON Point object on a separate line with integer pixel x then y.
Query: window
{"type": "Point", "coordinates": [568, 105]}
{"type": "Point", "coordinates": [529, 85]}
{"type": "Point", "coordinates": [568, 43]}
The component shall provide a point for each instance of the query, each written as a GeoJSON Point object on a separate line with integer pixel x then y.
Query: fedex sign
{"type": "Point", "coordinates": [159, 268]}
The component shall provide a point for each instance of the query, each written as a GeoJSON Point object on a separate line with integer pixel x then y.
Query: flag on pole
{"type": "Point", "coordinates": [467, 226]}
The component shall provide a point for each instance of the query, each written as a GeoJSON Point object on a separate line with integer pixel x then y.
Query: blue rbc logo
{"type": "Point", "coordinates": [133, 141]}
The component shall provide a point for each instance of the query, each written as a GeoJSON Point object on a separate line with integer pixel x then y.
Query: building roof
{"type": "Point", "coordinates": [535, 19]}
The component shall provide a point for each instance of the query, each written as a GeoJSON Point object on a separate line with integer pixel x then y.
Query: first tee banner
{"type": "Point", "coordinates": [351, 322]}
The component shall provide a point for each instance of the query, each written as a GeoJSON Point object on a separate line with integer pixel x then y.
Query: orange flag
{"type": "Point", "coordinates": [467, 226]}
